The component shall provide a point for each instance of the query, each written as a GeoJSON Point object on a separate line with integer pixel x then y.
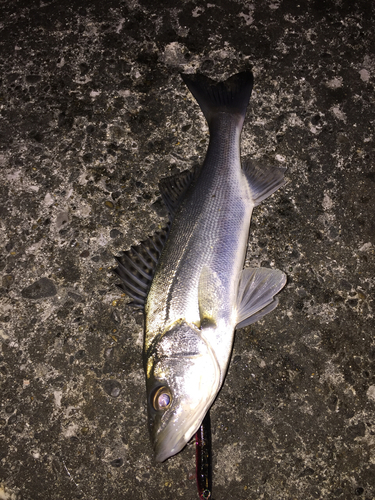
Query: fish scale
{"type": "Point", "coordinates": [210, 229]}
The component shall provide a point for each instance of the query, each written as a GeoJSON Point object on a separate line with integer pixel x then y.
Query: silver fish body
{"type": "Point", "coordinates": [200, 292]}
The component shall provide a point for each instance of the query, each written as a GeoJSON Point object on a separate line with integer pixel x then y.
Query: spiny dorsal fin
{"type": "Point", "coordinates": [263, 181]}
{"type": "Point", "coordinates": [174, 188]}
{"type": "Point", "coordinates": [136, 267]}
{"type": "Point", "coordinates": [256, 292]}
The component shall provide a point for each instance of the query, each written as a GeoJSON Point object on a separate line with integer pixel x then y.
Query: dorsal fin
{"type": "Point", "coordinates": [174, 188]}
{"type": "Point", "coordinates": [136, 267]}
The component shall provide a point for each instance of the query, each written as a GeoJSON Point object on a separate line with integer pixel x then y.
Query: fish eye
{"type": "Point", "coordinates": [162, 398]}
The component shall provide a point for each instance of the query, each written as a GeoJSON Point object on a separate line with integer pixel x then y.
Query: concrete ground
{"type": "Point", "coordinates": [92, 114]}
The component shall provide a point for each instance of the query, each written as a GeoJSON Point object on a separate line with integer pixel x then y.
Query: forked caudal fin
{"type": "Point", "coordinates": [231, 96]}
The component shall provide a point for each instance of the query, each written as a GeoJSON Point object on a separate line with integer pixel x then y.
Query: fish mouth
{"type": "Point", "coordinates": [164, 449]}
{"type": "Point", "coordinates": [181, 427]}
{"type": "Point", "coordinates": [167, 443]}
{"type": "Point", "coordinates": [172, 438]}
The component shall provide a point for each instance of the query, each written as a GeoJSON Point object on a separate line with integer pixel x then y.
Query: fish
{"type": "Point", "coordinates": [189, 277]}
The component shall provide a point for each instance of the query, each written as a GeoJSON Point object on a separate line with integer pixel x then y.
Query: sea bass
{"type": "Point", "coordinates": [189, 278]}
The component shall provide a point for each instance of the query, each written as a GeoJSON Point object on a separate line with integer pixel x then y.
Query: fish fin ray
{"type": "Point", "coordinates": [174, 188]}
{"type": "Point", "coordinates": [136, 267]}
{"type": "Point", "coordinates": [137, 298]}
{"type": "Point", "coordinates": [263, 181]}
{"type": "Point", "coordinates": [256, 291]}
{"type": "Point", "coordinates": [231, 96]}
{"type": "Point", "coordinates": [257, 316]}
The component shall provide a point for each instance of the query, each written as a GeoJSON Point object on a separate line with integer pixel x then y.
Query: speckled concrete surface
{"type": "Point", "coordinates": [93, 114]}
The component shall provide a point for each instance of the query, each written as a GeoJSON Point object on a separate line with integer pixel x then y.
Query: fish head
{"type": "Point", "coordinates": [183, 378]}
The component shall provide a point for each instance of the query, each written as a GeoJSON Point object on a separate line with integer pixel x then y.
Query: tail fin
{"type": "Point", "coordinates": [231, 96]}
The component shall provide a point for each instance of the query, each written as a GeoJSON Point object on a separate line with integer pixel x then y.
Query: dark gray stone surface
{"type": "Point", "coordinates": [92, 114]}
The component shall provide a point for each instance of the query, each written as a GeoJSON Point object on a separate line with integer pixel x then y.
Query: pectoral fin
{"type": "Point", "coordinates": [256, 292]}
{"type": "Point", "coordinates": [209, 296]}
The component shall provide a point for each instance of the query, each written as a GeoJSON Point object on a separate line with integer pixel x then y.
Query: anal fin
{"type": "Point", "coordinates": [256, 292]}
{"type": "Point", "coordinates": [263, 181]}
